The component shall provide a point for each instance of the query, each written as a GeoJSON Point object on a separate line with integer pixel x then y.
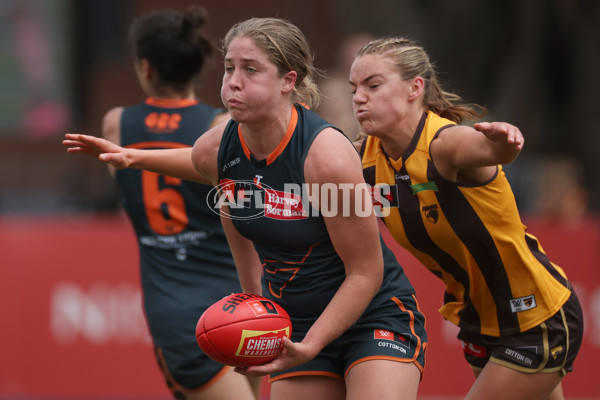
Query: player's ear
{"type": "Point", "coordinates": [289, 81]}
{"type": "Point", "coordinates": [417, 86]}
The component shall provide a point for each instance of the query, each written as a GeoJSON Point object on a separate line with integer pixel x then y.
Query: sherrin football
{"type": "Point", "coordinates": [243, 329]}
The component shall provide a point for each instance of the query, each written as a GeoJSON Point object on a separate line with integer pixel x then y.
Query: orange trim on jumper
{"type": "Point", "coordinates": [170, 103]}
{"type": "Point", "coordinates": [274, 272]}
{"type": "Point", "coordinates": [310, 249]}
{"type": "Point", "coordinates": [281, 146]}
{"type": "Point", "coordinates": [306, 373]}
{"type": "Point", "coordinates": [156, 145]}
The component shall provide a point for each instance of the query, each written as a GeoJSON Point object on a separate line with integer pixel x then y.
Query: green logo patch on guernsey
{"type": "Point", "coordinates": [419, 187]}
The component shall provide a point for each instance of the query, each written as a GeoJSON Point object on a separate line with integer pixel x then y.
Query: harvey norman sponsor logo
{"type": "Point", "coordinates": [251, 199]}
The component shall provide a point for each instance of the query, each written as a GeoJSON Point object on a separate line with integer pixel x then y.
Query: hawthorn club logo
{"type": "Point", "coordinates": [431, 212]}
{"type": "Point", "coordinates": [523, 303]}
{"type": "Point", "coordinates": [251, 199]}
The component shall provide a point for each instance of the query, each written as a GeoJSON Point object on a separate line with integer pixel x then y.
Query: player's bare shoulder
{"type": "Point", "coordinates": [321, 166]}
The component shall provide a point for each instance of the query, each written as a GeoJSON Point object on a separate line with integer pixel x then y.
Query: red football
{"type": "Point", "coordinates": [243, 329]}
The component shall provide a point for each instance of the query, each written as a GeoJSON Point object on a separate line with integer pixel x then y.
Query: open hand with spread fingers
{"type": "Point", "coordinates": [96, 147]}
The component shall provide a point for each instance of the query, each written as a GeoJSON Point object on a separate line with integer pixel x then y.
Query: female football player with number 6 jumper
{"type": "Point", "coordinates": [452, 207]}
{"type": "Point", "coordinates": [185, 261]}
{"type": "Point", "coordinates": [357, 331]}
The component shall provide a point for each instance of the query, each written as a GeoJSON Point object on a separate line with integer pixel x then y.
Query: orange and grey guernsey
{"type": "Point", "coordinates": [185, 261]}
{"type": "Point", "coordinates": [499, 281]}
{"type": "Point", "coordinates": [268, 205]}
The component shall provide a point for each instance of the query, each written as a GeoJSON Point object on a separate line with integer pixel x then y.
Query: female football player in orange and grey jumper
{"type": "Point", "coordinates": [451, 206]}
{"type": "Point", "coordinates": [357, 331]}
{"type": "Point", "coordinates": [185, 261]}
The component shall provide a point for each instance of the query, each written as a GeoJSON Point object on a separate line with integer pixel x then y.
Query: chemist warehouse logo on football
{"type": "Point", "coordinates": [393, 340]}
{"type": "Point", "coordinates": [261, 343]}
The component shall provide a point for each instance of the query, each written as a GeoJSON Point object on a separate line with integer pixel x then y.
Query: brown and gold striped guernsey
{"type": "Point", "coordinates": [498, 279]}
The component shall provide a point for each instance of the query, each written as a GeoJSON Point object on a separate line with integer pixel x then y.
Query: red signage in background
{"type": "Point", "coordinates": [72, 322]}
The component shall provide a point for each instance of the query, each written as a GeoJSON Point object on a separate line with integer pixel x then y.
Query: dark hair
{"type": "Point", "coordinates": [172, 43]}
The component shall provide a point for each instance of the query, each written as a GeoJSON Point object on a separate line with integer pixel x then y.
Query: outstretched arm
{"type": "Point", "coordinates": [171, 162]}
{"type": "Point", "coordinates": [508, 138]}
{"type": "Point", "coordinates": [473, 153]}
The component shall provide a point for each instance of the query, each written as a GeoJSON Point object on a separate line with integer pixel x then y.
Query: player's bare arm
{"type": "Point", "coordinates": [170, 162]}
{"type": "Point", "coordinates": [246, 259]}
{"type": "Point", "coordinates": [354, 234]}
{"type": "Point", "coordinates": [465, 154]}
